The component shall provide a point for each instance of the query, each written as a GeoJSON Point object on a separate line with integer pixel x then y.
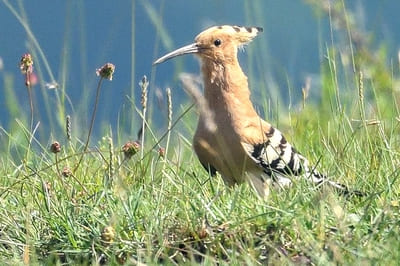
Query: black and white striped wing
{"type": "Point", "coordinates": [281, 162]}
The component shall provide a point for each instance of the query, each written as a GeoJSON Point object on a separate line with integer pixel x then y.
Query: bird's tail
{"type": "Point", "coordinates": [320, 179]}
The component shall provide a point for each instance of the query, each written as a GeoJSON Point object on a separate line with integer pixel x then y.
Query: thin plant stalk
{"type": "Point", "coordinates": [111, 168]}
{"type": "Point", "coordinates": [26, 67]}
{"type": "Point", "coordinates": [133, 41]}
{"type": "Point", "coordinates": [143, 130]}
{"type": "Point", "coordinates": [91, 122]}
{"type": "Point", "coordinates": [29, 88]}
{"type": "Point", "coordinates": [58, 171]}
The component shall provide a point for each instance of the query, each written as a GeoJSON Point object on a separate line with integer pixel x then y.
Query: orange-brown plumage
{"type": "Point", "coordinates": [242, 146]}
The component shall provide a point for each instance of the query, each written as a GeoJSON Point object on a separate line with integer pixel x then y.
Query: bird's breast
{"type": "Point", "coordinates": [221, 149]}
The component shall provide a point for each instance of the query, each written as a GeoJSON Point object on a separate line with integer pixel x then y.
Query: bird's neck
{"type": "Point", "coordinates": [226, 87]}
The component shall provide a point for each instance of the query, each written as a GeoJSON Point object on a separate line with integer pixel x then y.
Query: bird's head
{"type": "Point", "coordinates": [218, 44]}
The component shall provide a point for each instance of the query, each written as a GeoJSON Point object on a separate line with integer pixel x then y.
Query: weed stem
{"type": "Point", "coordinates": [91, 123]}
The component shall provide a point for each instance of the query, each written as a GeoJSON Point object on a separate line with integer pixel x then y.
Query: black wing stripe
{"type": "Point", "coordinates": [270, 132]}
{"type": "Point", "coordinates": [258, 149]}
{"type": "Point", "coordinates": [276, 161]}
{"type": "Point", "coordinates": [277, 156]}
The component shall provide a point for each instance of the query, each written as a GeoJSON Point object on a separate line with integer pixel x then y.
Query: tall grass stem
{"type": "Point", "coordinates": [91, 123]}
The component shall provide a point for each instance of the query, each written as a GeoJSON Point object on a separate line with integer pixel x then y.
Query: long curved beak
{"type": "Point", "coordinates": [188, 49]}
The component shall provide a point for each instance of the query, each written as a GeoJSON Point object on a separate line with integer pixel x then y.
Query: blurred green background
{"type": "Point", "coordinates": [76, 37]}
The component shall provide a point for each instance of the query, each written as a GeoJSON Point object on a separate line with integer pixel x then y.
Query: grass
{"type": "Point", "coordinates": [161, 207]}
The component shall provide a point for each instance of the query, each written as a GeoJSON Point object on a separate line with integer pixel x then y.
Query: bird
{"type": "Point", "coordinates": [241, 147]}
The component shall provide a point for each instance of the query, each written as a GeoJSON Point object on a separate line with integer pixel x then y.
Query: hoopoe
{"type": "Point", "coordinates": [242, 146]}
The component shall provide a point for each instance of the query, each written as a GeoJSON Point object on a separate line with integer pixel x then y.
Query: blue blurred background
{"type": "Point", "coordinates": [78, 36]}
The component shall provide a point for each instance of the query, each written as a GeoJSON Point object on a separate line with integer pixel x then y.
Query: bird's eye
{"type": "Point", "coordinates": [217, 42]}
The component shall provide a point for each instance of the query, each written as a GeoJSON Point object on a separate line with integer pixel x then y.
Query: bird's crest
{"type": "Point", "coordinates": [239, 35]}
{"type": "Point", "coordinates": [219, 43]}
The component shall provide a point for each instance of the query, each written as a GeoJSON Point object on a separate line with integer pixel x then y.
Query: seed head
{"type": "Point", "coordinates": [66, 172]}
{"type": "Point", "coordinates": [144, 83]}
{"type": "Point", "coordinates": [130, 148]}
{"type": "Point", "coordinates": [106, 71]}
{"type": "Point", "coordinates": [55, 147]}
{"type": "Point", "coordinates": [47, 186]}
{"type": "Point", "coordinates": [361, 87]}
{"type": "Point", "coordinates": [108, 235]}
{"type": "Point", "coordinates": [68, 127]}
{"type": "Point", "coordinates": [161, 152]}
{"type": "Point", "coordinates": [26, 64]}
{"type": "Point", "coordinates": [169, 103]}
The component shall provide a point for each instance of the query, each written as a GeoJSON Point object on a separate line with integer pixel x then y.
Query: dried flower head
{"type": "Point", "coordinates": [26, 64]}
{"type": "Point", "coordinates": [55, 147]}
{"type": "Point", "coordinates": [106, 71]}
{"type": "Point", "coordinates": [66, 172]}
{"type": "Point", "coordinates": [47, 186]}
{"type": "Point", "coordinates": [161, 152]}
{"type": "Point", "coordinates": [130, 148]}
{"type": "Point", "coordinates": [108, 235]}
